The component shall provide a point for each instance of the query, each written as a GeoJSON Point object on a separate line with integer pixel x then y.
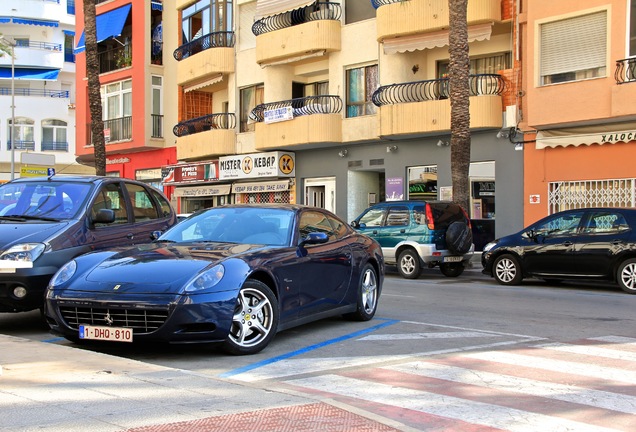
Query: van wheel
{"type": "Point", "coordinates": [408, 264]}
{"type": "Point", "coordinates": [459, 238]}
{"type": "Point", "coordinates": [452, 270]}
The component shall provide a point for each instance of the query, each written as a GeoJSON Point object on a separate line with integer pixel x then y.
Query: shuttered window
{"type": "Point", "coordinates": [574, 48]}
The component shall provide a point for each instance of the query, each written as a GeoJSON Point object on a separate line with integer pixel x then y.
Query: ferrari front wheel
{"type": "Point", "coordinates": [255, 319]}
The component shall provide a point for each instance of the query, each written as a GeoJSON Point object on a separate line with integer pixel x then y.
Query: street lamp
{"type": "Point", "coordinates": [12, 44]}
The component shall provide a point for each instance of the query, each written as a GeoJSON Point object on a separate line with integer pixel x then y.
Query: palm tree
{"type": "Point", "coordinates": [459, 99]}
{"type": "Point", "coordinates": [94, 95]}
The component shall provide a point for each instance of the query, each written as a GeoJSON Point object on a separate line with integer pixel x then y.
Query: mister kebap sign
{"type": "Point", "coordinates": [257, 165]}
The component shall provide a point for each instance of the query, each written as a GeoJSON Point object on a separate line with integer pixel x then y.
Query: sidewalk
{"type": "Point", "coordinates": [51, 388]}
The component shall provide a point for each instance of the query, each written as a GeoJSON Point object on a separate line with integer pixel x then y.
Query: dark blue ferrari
{"type": "Point", "coordinates": [235, 274]}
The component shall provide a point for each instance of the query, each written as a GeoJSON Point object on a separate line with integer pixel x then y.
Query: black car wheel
{"type": "Point", "coordinates": [255, 319]}
{"type": "Point", "coordinates": [506, 270]}
{"type": "Point", "coordinates": [408, 264]}
{"type": "Point", "coordinates": [452, 269]}
{"type": "Point", "coordinates": [459, 238]}
{"type": "Point", "coordinates": [626, 276]}
{"type": "Point", "coordinates": [367, 295]}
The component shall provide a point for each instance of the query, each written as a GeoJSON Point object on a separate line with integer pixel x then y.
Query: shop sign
{"type": "Point", "coordinates": [148, 174]}
{"type": "Point", "coordinates": [483, 189]}
{"type": "Point", "coordinates": [257, 165]}
{"type": "Point", "coordinates": [191, 173]}
{"type": "Point", "coordinates": [278, 114]}
{"type": "Point", "coordinates": [121, 160]}
{"type": "Point", "coordinates": [205, 190]}
{"type": "Point", "coordinates": [535, 199]}
{"type": "Point", "coordinates": [276, 186]}
{"type": "Point", "coordinates": [394, 188]}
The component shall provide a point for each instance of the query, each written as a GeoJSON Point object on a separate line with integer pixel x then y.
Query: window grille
{"type": "Point", "coordinates": [567, 195]}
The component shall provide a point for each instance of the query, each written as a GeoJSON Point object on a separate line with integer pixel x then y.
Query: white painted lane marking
{"type": "Point", "coordinates": [434, 335]}
{"type": "Point", "coordinates": [567, 393]}
{"type": "Point", "coordinates": [591, 351]}
{"type": "Point", "coordinates": [589, 370]}
{"type": "Point", "coordinates": [446, 406]}
{"type": "Point", "coordinates": [615, 339]}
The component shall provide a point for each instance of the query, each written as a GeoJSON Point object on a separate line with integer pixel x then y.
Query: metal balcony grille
{"type": "Point", "coordinates": [320, 10]}
{"type": "Point", "coordinates": [326, 104]}
{"type": "Point", "coordinates": [591, 193]}
{"type": "Point", "coordinates": [139, 320]}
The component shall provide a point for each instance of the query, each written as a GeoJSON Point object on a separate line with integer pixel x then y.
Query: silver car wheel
{"type": "Point", "coordinates": [627, 276]}
{"type": "Point", "coordinates": [369, 291]}
{"type": "Point", "coordinates": [253, 318]}
{"type": "Point", "coordinates": [507, 270]}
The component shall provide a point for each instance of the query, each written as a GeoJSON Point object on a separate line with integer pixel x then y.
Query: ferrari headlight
{"type": "Point", "coordinates": [63, 274]}
{"type": "Point", "coordinates": [206, 280]}
{"type": "Point", "coordinates": [489, 246]}
{"type": "Point", "coordinates": [23, 252]}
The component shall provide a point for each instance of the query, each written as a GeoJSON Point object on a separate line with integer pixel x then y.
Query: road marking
{"type": "Point", "coordinates": [465, 410]}
{"type": "Point", "coordinates": [592, 351]}
{"type": "Point", "coordinates": [568, 393]}
{"type": "Point", "coordinates": [433, 335]}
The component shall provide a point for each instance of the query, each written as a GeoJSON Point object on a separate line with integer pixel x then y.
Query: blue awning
{"type": "Point", "coordinates": [38, 22]}
{"type": "Point", "coordinates": [156, 5]}
{"type": "Point", "coordinates": [69, 32]}
{"type": "Point", "coordinates": [109, 24]}
{"type": "Point", "coordinates": [29, 73]}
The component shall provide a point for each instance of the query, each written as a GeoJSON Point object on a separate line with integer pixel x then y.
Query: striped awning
{"type": "Point", "coordinates": [29, 21]}
{"type": "Point", "coordinates": [266, 8]}
{"type": "Point", "coordinates": [431, 40]}
{"type": "Point", "coordinates": [199, 85]}
{"type": "Point", "coordinates": [586, 135]}
{"type": "Point", "coordinates": [108, 25]}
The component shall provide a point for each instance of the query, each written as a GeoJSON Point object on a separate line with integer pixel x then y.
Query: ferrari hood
{"type": "Point", "coordinates": [162, 263]}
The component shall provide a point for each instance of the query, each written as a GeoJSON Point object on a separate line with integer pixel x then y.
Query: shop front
{"type": "Point", "coordinates": [142, 166]}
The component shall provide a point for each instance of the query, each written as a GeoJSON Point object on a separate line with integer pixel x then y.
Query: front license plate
{"type": "Point", "coordinates": [118, 334]}
{"type": "Point", "coordinates": [453, 259]}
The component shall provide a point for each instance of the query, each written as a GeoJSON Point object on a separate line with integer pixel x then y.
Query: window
{"type": "Point", "coordinates": [563, 225]}
{"type": "Point", "coordinates": [68, 47]}
{"type": "Point", "coordinates": [320, 88]}
{"type": "Point", "coordinates": [22, 134]}
{"type": "Point", "coordinates": [567, 195]}
{"type": "Point", "coordinates": [54, 135]}
{"type": "Point", "coordinates": [311, 222]}
{"type": "Point", "coordinates": [398, 216]}
{"type": "Point", "coordinates": [481, 65]}
{"type": "Point", "coordinates": [157, 106]}
{"type": "Point", "coordinates": [573, 49]}
{"type": "Point", "coordinates": [361, 83]}
{"type": "Point", "coordinates": [163, 204]}
{"type": "Point", "coordinates": [117, 110]}
{"type": "Point", "coordinates": [143, 208]}
{"type": "Point", "coordinates": [250, 98]}
{"type": "Point", "coordinates": [111, 197]}
{"type": "Point", "coordinates": [205, 17]}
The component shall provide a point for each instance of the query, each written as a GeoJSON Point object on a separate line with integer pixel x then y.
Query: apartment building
{"type": "Point", "coordinates": [37, 89]}
{"type": "Point", "coordinates": [342, 104]}
{"type": "Point", "coordinates": [139, 90]}
{"type": "Point", "coordinates": [580, 87]}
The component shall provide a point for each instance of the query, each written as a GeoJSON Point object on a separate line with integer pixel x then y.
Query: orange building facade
{"type": "Point", "coordinates": [137, 99]}
{"type": "Point", "coordinates": [579, 114]}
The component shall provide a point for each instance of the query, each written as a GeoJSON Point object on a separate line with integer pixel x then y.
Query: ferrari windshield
{"type": "Point", "coordinates": [235, 225]}
{"type": "Point", "coordinates": [45, 199]}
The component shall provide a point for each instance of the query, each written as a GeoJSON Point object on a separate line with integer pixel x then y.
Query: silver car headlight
{"type": "Point", "coordinates": [23, 252]}
{"type": "Point", "coordinates": [489, 246]}
{"type": "Point", "coordinates": [206, 280]}
{"type": "Point", "coordinates": [63, 274]}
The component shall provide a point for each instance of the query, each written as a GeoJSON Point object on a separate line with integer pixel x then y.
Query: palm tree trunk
{"type": "Point", "coordinates": [459, 99]}
{"type": "Point", "coordinates": [94, 96]}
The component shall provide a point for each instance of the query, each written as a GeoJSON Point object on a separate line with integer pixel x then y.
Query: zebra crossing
{"type": "Point", "coordinates": [586, 385]}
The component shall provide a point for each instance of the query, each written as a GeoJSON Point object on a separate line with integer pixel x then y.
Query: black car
{"type": "Point", "coordinates": [591, 244]}
{"type": "Point", "coordinates": [47, 221]}
{"type": "Point", "coordinates": [234, 274]}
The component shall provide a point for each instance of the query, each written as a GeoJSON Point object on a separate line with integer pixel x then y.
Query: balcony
{"type": "Point", "coordinates": [417, 108]}
{"type": "Point", "coordinates": [624, 93]}
{"type": "Point", "coordinates": [309, 120]}
{"type": "Point", "coordinates": [293, 36]}
{"type": "Point", "coordinates": [115, 59]}
{"type": "Point", "coordinates": [36, 55]}
{"type": "Point", "coordinates": [59, 146]}
{"type": "Point", "coordinates": [207, 56]}
{"type": "Point", "coordinates": [115, 130]}
{"type": "Point", "coordinates": [207, 136]}
{"type": "Point", "coordinates": [398, 18]}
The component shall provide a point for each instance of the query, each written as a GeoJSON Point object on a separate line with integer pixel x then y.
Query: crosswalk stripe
{"type": "Point", "coordinates": [480, 413]}
{"type": "Point", "coordinates": [562, 366]}
{"type": "Point", "coordinates": [592, 351]}
{"type": "Point", "coordinates": [433, 335]}
{"type": "Point", "coordinates": [615, 339]}
{"type": "Point", "coordinates": [566, 393]}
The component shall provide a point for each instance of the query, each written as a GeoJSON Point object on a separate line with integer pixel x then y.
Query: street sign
{"type": "Point", "coordinates": [31, 171]}
{"type": "Point", "coordinates": [50, 172]}
{"type": "Point", "coordinates": [30, 158]}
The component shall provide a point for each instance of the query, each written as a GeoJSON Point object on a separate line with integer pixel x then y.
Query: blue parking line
{"type": "Point", "coordinates": [307, 349]}
{"type": "Point", "coordinates": [57, 339]}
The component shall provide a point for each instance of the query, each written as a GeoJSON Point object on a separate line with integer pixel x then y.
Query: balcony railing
{"type": "Point", "coordinates": [211, 40]}
{"type": "Point", "coordinates": [436, 89]}
{"type": "Point", "coordinates": [119, 129]}
{"type": "Point", "coordinates": [6, 91]}
{"type": "Point", "coordinates": [205, 123]}
{"type": "Point", "coordinates": [319, 10]}
{"type": "Point", "coordinates": [157, 126]}
{"type": "Point", "coordinates": [21, 145]}
{"type": "Point", "coordinates": [625, 71]}
{"type": "Point", "coordinates": [309, 105]}
{"type": "Point", "coordinates": [55, 146]}
{"type": "Point", "coordinates": [38, 45]}
{"type": "Point", "coordinates": [114, 59]}
{"type": "Point", "coordinates": [377, 3]}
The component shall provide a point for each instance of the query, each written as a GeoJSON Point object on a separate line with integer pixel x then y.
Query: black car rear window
{"type": "Point", "coordinates": [445, 214]}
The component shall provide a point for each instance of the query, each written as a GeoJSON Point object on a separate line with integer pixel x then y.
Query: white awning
{"type": "Point", "coordinates": [196, 86]}
{"type": "Point", "coordinates": [587, 135]}
{"type": "Point", "coordinates": [203, 190]}
{"type": "Point", "coordinates": [431, 40]}
{"type": "Point", "coordinates": [272, 7]}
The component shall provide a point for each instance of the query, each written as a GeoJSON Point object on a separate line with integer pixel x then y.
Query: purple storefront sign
{"type": "Point", "coordinates": [394, 188]}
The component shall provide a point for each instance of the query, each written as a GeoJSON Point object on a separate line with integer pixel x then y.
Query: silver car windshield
{"type": "Point", "coordinates": [235, 225]}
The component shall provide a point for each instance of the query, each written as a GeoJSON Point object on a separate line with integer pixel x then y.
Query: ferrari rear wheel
{"type": "Point", "coordinates": [255, 319]}
{"type": "Point", "coordinates": [368, 293]}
